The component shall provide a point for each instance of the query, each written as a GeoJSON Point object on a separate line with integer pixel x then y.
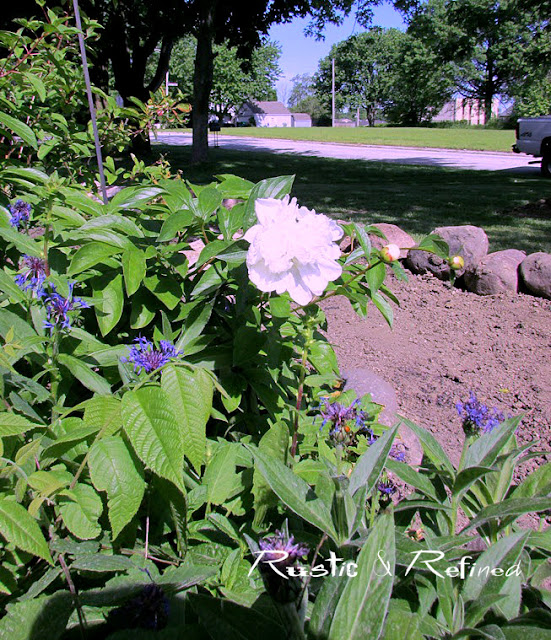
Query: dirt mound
{"type": "Point", "coordinates": [446, 342]}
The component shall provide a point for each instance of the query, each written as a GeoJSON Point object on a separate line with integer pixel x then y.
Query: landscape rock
{"type": "Point", "coordinates": [364, 381]}
{"type": "Point", "coordinates": [535, 272]}
{"type": "Point", "coordinates": [468, 241]}
{"type": "Point", "coordinates": [495, 273]}
{"type": "Point", "coordinates": [394, 235]}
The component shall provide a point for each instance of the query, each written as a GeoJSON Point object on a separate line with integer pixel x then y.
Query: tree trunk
{"type": "Point", "coordinates": [202, 85]}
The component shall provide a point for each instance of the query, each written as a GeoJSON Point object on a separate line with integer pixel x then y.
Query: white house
{"type": "Point", "coordinates": [301, 120]}
{"type": "Point", "coordinates": [271, 114]}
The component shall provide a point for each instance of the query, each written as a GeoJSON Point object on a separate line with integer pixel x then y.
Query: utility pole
{"type": "Point", "coordinates": [333, 92]}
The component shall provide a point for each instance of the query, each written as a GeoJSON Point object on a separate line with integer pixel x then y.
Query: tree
{"type": "Point", "coordinates": [418, 83]}
{"type": "Point", "coordinates": [232, 83]}
{"type": "Point", "coordinates": [303, 99]}
{"type": "Point", "coordinates": [494, 43]}
{"type": "Point", "coordinates": [362, 70]}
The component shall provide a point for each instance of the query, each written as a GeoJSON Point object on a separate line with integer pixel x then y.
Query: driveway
{"type": "Point", "coordinates": [477, 160]}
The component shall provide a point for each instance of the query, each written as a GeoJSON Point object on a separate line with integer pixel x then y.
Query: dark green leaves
{"type": "Point", "coordinates": [22, 530]}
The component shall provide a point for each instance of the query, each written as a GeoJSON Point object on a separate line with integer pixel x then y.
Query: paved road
{"type": "Point", "coordinates": [477, 160]}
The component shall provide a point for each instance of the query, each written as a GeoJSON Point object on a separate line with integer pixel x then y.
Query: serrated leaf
{"type": "Point", "coordinates": [81, 511]}
{"type": "Point", "coordinates": [113, 470]}
{"type": "Point", "coordinates": [42, 617]}
{"type": "Point", "coordinates": [12, 424]}
{"type": "Point", "coordinates": [154, 433]}
{"type": "Point", "coordinates": [190, 394]}
{"type": "Point", "coordinates": [104, 414]}
{"type": "Point", "coordinates": [22, 530]}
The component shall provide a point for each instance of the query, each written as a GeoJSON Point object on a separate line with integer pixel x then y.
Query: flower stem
{"type": "Point", "coordinates": [308, 334]}
{"type": "Point", "coordinates": [456, 499]}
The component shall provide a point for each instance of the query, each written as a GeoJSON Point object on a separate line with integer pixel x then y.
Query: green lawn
{"type": "Point", "coordinates": [417, 198]}
{"type": "Point", "coordinates": [475, 139]}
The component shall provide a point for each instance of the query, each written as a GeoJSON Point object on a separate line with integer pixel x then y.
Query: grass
{"type": "Point", "coordinates": [469, 138]}
{"type": "Point", "coordinates": [417, 198]}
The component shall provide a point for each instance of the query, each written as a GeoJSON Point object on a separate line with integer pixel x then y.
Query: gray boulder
{"type": "Point", "coordinates": [495, 273]}
{"type": "Point", "coordinates": [468, 241]}
{"type": "Point", "coordinates": [394, 235]}
{"type": "Point", "coordinates": [365, 381]}
{"type": "Point", "coordinates": [535, 271]}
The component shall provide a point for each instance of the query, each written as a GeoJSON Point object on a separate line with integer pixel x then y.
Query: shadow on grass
{"type": "Point", "coordinates": [417, 198]}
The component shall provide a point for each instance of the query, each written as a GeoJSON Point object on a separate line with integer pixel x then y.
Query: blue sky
{"type": "Point", "coordinates": [301, 54]}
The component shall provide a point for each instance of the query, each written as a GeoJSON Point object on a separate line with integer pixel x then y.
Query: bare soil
{"type": "Point", "coordinates": [446, 342]}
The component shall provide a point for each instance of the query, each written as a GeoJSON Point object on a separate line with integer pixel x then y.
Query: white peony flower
{"type": "Point", "coordinates": [292, 249]}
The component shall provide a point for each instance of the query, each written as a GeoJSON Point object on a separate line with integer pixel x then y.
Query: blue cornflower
{"type": "Point", "coordinates": [396, 451]}
{"type": "Point", "coordinates": [145, 356]}
{"type": "Point", "coordinates": [386, 487]}
{"type": "Point", "coordinates": [273, 546]}
{"type": "Point", "coordinates": [337, 414]}
{"type": "Point", "coordinates": [58, 308]}
{"type": "Point", "coordinates": [477, 417]}
{"type": "Point", "coordinates": [20, 213]}
{"type": "Point", "coordinates": [34, 276]}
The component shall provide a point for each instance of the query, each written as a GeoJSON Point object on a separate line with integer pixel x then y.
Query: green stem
{"type": "Point", "coordinates": [54, 374]}
{"type": "Point", "coordinates": [308, 334]}
{"type": "Point", "coordinates": [456, 499]}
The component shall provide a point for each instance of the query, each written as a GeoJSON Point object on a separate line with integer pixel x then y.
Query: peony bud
{"type": "Point", "coordinates": [456, 263]}
{"type": "Point", "coordinates": [390, 252]}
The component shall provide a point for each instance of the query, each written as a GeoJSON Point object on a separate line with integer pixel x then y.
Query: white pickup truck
{"type": "Point", "coordinates": [534, 138]}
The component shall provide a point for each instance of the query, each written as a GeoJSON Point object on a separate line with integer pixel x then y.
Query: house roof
{"type": "Point", "coordinates": [302, 116]}
{"type": "Point", "coordinates": [269, 108]}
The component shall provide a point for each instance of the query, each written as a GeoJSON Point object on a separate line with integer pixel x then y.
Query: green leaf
{"type": "Point", "coordinates": [484, 451]}
{"type": "Point", "coordinates": [510, 507]}
{"type": "Point", "coordinates": [81, 511]}
{"type": "Point", "coordinates": [375, 277]}
{"type": "Point", "coordinates": [273, 443]}
{"type": "Point", "coordinates": [322, 356]}
{"type": "Point", "coordinates": [270, 188]}
{"type": "Point", "coordinates": [108, 303]}
{"type": "Point", "coordinates": [361, 609]}
{"type": "Point", "coordinates": [209, 200]}
{"type": "Point", "coordinates": [90, 379]}
{"type": "Point", "coordinates": [113, 470]}
{"type": "Point", "coordinates": [134, 269]}
{"type": "Point", "coordinates": [89, 255]}
{"type": "Point", "coordinates": [226, 620]}
{"type": "Point", "coordinates": [175, 223]}
{"type": "Point", "coordinates": [20, 129]}
{"type": "Point", "coordinates": [324, 606]}
{"type": "Point", "coordinates": [433, 243]}
{"type": "Point", "coordinates": [194, 324]}
{"type": "Point", "coordinates": [294, 492]}
{"type": "Point", "coordinates": [166, 289]}
{"type": "Point", "coordinates": [431, 447]}
{"type": "Point", "coordinates": [412, 477]}
{"type": "Point", "coordinates": [190, 396]}
{"type": "Point", "coordinates": [42, 617]}
{"type": "Point", "coordinates": [133, 197]}
{"type": "Point", "coordinates": [37, 84]}
{"type": "Point", "coordinates": [247, 343]}
{"type": "Point", "coordinates": [503, 555]}
{"type": "Point", "coordinates": [104, 414]}
{"type": "Point", "coordinates": [144, 307]}
{"type": "Point", "coordinates": [21, 529]}
{"type": "Point", "coordinates": [12, 424]}
{"type": "Point", "coordinates": [21, 241]}
{"type": "Point", "coordinates": [370, 465]}
{"type": "Point", "coordinates": [538, 483]}
{"type": "Point", "coordinates": [154, 433]}
{"type": "Point", "coordinates": [384, 307]}
{"type": "Point", "coordinates": [101, 563]}
{"type": "Point", "coordinates": [220, 477]}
